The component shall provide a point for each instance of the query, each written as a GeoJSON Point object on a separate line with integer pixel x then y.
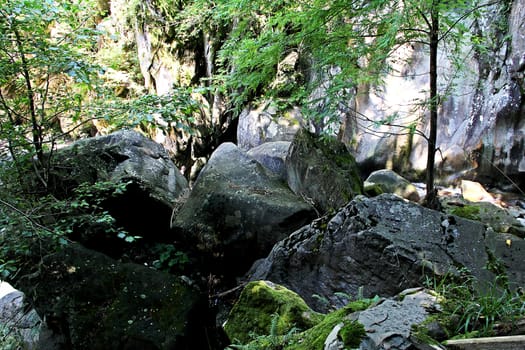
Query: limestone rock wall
{"type": "Point", "coordinates": [482, 119]}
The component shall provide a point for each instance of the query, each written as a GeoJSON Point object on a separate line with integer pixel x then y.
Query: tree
{"type": "Point", "coordinates": [355, 41]}
{"type": "Point", "coordinates": [44, 74]}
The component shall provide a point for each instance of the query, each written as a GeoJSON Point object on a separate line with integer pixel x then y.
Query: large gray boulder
{"type": "Point", "coordinates": [154, 182]}
{"type": "Point", "coordinates": [388, 181]}
{"type": "Point", "coordinates": [322, 171]}
{"type": "Point", "coordinates": [383, 245]}
{"type": "Point", "coordinates": [236, 212]}
{"type": "Point", "coordinates": [125, 155]}
{"type": "Point", "coordinates": [390, 323]}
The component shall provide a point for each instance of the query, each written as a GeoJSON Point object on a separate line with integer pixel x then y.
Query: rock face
{"type": "Point", "coordinates": [481, 123]}
{"type": "Point", "coordinates": [266, 124]}
{"type": "Point", "coordinates": [122, 156]}
{"type": "Point", "coordinates": [381, 244]}
{"type": "Point", "coordinates": [322, 171]}
{"type": "Point", "coordinates": [389, 325]}
{"type": "Point", "coordinates": [236, 212]}
{"type": "Point", "coordinates": [94, 302]}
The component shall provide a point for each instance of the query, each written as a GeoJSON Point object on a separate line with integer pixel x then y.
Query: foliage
{"type": "Point", "coordinates": [44, 75]}
{"type": "Point", "coordinates": [174, 110]}
{"type": "Point", "coordinates": [473, 309]}
{"type": "Point", "coordinates": [316, 336]}
{"type": "Point", "coordinates": [170, 258]}
{"type": "Point", "coordinates": [352, 333]}
{"type": "Point", "coordinates": [85, 211]}
{"type": "Point", "coordinates": [272, 341]}
{"type": "Point", "coordinates": [343, 48]}
{"type": "Point", "coordinates": [47, 223]}
{"type": "Point", "coordinates": [10, 339]}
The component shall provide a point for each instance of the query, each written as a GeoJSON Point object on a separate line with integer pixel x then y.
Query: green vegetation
{"type": "Point", "coordinates": [10, 339]}
{"type": "Point", "coordinates": [52, 90]}
{"type": "Point", "coordinates": [257, 306]}
{"type": "Point", "coordinates": [472, 309]}
{"type": "Point", "coordinates": [293, 325]}
{"type": "Point", "coordinates": [43, 74]}
{"type": "Point", "coordinates": [316, 336]}
{"type": "Point", "coordinates": [467, 211]}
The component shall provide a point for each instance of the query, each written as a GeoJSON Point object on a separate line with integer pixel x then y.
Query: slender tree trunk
{"type": "Point", "coordinates": [431, 199]}
{"type": "Point", "coordinates": [36, 127]}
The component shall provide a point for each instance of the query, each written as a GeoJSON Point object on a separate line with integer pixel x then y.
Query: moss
{"type": "Point", "coordinates": [352, 333]}
{"type": "Point", "coordinates": [468, 212]}
{"type": "Point", "coordinates": [372, 189]}
{"type": "Point", "coordinates": [314, 338]}
{"type": "Point", "coordinates": [258, 302]}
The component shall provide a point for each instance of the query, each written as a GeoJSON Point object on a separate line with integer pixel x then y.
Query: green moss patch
{"type": "Point", "coordinates": [351, 333]}
{"type": "Point", "coordinates": [258, 303]}
{"type": "Point", "coordinates": [468, 212]}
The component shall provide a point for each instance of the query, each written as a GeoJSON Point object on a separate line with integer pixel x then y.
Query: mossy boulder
{"type": "Point", "coordinates": [388, 181]}
{"type": "Point", "coordinates": [322, 171]}
{"type": "Point", "coordinates": [94, 302]}
{"type": "Point", "coordinates": [259, 303]}
{"type": "Point", "coordinates": [499, 219]}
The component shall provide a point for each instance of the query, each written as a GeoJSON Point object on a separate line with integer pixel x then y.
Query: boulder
{"type": "Point", "coordinates": [95, 302]}
{"type": "Point", "coordinates": [19, 325]}
{"type": "Point", "coordinates": [390, 324]}
{"type": "Point", "coordinates": [388, 181]}
{"type": "Point", "coordinates": [236, 212]}
{"type": "Point", "coordinates": [259, 303]}
{"type": "Point", "coordinates": [125, 155]}
{"type": "Point", "coordinates": [474, 192]}
{"type": "Point", "coordinates": [265, 313]}
{"type": "Point", "coordinates": [381, 245]}
{"type": "Point", "coordinates": [154, 182]}
{"type": "Point", "coordinates": [497, 218]}
{"type": "Point", "coordinates": [266, 123]}
{"type": "Point", "coordinates": [322, 171]}
{"type": "Point", "coordinates": [272, 156]}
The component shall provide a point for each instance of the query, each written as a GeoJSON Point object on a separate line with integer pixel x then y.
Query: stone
{"type": "Point", "coordinates": [264, 123]}
{"type": "Point", "coordinates": [378, 246]}
{"type": "Point", "coordinates": [389, 325]}
{"type": "Point", "coordinates": [389, 181]}
{"type": "Point", "coordinates": [474, 192]}
{"type": "Point", "coordinates": [20, 326]}
{"type": "Point", "coordinates": [153, 183]}
{"type": "Point", "coordinates": [95, 302]}
{"type": "Point", "coordinates": [236, 212]}
{"type": "Point", "coordinates": [498, 218]}
{"type": "Point", "coordinates": [121, 156]}
{"type": "Point", "coordinates": [272, 156]}
{"type": "Point", "coordinates": [322, 171]}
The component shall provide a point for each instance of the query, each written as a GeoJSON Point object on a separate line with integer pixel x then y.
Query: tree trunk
{"type": "Point", "coordinates": [36, 127]}
{"type": "Point", "coordinates": [431, 199]}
